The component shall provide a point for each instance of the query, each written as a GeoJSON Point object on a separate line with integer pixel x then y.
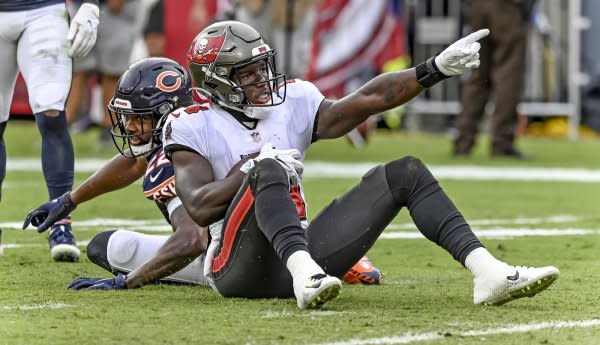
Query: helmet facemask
{"type": "Point", "coordinates": [149, 123]}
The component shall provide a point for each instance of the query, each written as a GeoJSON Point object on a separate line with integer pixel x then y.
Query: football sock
{"type": "Point", "coordinates": [301, 266]}
{"type": "Point", "coordinates": [57, 153]}
{"type": "Point", "coordinates": [481, 262]}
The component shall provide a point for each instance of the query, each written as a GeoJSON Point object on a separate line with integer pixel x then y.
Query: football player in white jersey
{"type": "Point", "coordinates": [37, 40]}
{"type": "Point", "coordinates": [256, 210]}
{"type": "Point", "coordinates": [145, 93]}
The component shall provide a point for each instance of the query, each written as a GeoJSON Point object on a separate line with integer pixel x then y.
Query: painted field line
{"type": "Point", "coordinates": [319, 169]}
{"type": "Point", "coordinates": [159, 225]}
{"type": "Point", "coordinates": [410, 338]}
{"type": "Point", "coordinates": [151, 225]}
{"type": "Point", "coordinates": [47, 305]}
{"type": "Point", "coordinates": [37, 245]}
{"type": "Point", "coordinates": [290, 314]}
{"type": "Point", "coordinates": [499, 233]}
{"type": "Point", "coordinates": [518, 221]}
{"type": "Point", "coordinates": [316, 169]}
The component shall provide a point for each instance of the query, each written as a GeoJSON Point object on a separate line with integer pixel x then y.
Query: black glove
{"type": "Point", "coordinates": [49, 213]}
{"type": "Point", "coordinates": [116, 283]}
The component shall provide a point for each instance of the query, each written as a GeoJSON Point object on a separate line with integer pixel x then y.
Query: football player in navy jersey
{"type": "Point", "coordinates": [37, 40]}
{"type": "Point", "coordinates": [148, 90]}
{"type": "Point", "coordinates": [257, 213]}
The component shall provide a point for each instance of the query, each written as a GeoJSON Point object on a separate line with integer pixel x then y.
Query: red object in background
{"type": "Point", "coordinates": [178, 31]}
{"type": "Point", "coordinates": [20, 102]}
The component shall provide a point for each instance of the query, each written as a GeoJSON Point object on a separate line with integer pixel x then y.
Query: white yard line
{"type": "Point", "coordinates": [26, 307]}
{"type": "Point", "coordinates": [290, 314]}
{"type": "Point", "coordinates": [517, 221]}
{"type": "Point", "coordinates": [151, 225]}
{"type": "Point", "coordinates": [410, 338]}
{"type": "Point", "coordinates": [159, 225]}
{"type": "Point", "coordinates": [497, 233]}
{"type": "Point", "coordinates": [318, 169]}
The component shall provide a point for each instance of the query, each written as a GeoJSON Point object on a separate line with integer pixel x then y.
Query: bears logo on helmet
{"type": "Point", "coordinates": [161, 81]}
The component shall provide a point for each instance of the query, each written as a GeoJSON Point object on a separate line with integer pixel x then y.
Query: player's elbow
{"type": "Point", "coordinates": [200, 215]}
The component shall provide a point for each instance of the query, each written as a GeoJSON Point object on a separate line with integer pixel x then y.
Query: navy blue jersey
{"type": "Point", "coordinates": [159, 181]}
{"type": "Point", "coordinates": [24, 5]}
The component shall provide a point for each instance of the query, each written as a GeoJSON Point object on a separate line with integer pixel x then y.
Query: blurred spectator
{"type": "Point", "coordinates": [500, 77]}
{"type": "Point", "coordinates": [154, 31]}
{"type": "Point", "coordinates": [287, 26]}
{"type": "Point", "coordinates": [121, 24]}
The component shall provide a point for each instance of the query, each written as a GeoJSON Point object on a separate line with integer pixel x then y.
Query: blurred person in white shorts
{"type": "Point", "coordinates": [120, 26]}
{"type": "Point", "coordinates": [38, 39]}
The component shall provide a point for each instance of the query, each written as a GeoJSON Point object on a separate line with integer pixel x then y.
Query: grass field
{"type": "Point", "coordinates": [426, 298]}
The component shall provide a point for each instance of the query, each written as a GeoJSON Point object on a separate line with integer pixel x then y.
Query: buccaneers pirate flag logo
{"type": "Point", "coordinates": [205, 49]}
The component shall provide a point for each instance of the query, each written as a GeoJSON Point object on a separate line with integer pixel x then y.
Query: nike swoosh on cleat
{"type": "Point", "coordinates": [314, 285]}
{"type": "Point", "coordinates": [514, 277]}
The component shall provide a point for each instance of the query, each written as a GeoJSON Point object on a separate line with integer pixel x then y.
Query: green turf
{"type": "Point", "coordinates": [425, 290]}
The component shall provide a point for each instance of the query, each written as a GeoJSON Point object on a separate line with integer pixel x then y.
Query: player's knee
{"type": "Point", "coordinates": [97, 250]}
{"type": "Point", "coordinates": [404, 175]}
{"type": "Point", "coordinates": [267, 172]}
{"type": "Point", "coordinates": [406, 168]}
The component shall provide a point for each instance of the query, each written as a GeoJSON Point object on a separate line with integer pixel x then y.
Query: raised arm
{"type": "Point", "coordinates": [389, 90]}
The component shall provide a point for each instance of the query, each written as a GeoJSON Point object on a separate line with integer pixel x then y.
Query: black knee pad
{"type": "Point", "coordinates": [97, 250]}
{"type": "Point", "coordinates": [407, 176]}
{"type": "Point", "coordinates": [265, 173]}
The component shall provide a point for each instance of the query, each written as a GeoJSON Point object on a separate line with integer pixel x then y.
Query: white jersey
{"type": "Point", "coordinates": [223, 141]}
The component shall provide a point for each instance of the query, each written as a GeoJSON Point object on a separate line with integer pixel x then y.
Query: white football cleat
{"type": "Point", "coordinates": [521, 282]}
{"type": "Point", "coordinates": [317, 290]}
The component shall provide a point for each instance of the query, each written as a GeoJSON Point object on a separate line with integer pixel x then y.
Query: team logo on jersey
{"type": "Point", "coordinates": [206, 49]}
{"type": "Point", "coordinates": [168, 81]}
{"type": "Point", "coordinates": [255, 137]}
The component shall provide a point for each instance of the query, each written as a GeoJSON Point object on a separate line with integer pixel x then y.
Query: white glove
{"type": "Point", "coordinates": [215, 230]}
{"type": "Point", "coordinates": [83, 30]}
{"type": "Point", "coordinates": [462, 55]}
{"type": "Point", "coordinates": [288, 159]}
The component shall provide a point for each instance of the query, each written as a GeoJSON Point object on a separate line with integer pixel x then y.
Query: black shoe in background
{"type": "Point", "coordinates": [511, 153]}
